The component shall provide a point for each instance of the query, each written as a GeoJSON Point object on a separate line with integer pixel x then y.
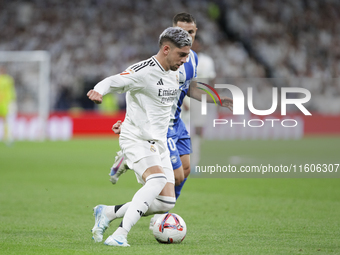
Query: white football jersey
{"type": "Point", "coordinates": [150, 94]}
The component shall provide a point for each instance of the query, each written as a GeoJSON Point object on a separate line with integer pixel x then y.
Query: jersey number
{"type": "Point", "coordinates": [171, 144]}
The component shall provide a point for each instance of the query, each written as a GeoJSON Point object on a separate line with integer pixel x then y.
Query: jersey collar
{"type": "Point", "coordinates": [159, 65]}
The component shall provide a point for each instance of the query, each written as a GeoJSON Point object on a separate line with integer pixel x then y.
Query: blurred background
{"type": "Point", "coordinates": [88, 40]}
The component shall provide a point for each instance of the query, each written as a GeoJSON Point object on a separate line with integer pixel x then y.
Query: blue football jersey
{"type": "Point", "coordinates": [187, 72]}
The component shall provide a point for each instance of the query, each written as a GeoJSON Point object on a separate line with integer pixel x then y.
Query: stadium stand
{"type": "Point", "coordinates": [92, 39]}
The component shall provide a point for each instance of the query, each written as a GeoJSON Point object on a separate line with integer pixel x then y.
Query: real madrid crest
{"type": "Point", "coordinates": [152, 148]}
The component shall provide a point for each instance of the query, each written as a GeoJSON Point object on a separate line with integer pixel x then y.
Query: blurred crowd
{"type": "Point", "coordinates": [296, 41]}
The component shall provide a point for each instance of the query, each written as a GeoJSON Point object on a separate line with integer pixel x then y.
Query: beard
{"type": "Point", "coordinates": [174, 68]}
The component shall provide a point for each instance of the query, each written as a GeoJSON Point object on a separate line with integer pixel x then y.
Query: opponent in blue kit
{"type": "Point", "coordinates": [178, 137]}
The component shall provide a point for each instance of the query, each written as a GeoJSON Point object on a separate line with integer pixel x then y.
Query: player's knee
{"type": "Point", "coordinates": [158, 179]}
{"type": "Point", "coordinates": [154, 170]}
{"type": "Point", "coordinates": [165, 203]}
{"type": "Point", "coordinates": [186, 171]}
{"type": "Point", "coordinates": [168, 207]}
{"type": "Point", "coordinates": [185, 165]}
{"type": "Point", "coordinates": [178, 181]}
{"type": "Point", "coordinates": [161, 204]}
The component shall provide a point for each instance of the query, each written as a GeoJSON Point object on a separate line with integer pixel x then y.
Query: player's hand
{"type": "Point", "coordinates": [227, 102]}
{"type": "Point", "coordinates": [95, 96]}
{"type": "Point", "coordinates": [116, 127]}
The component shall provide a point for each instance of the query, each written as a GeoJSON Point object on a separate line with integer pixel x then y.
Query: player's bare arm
{"type": "Point", "coordinates": [196, 93]}
{"type": "Point", "coordinates": [95, 96]}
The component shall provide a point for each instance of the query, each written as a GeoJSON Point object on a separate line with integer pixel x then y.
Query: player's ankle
{"type": "Point", "coordinates": [110, 212]}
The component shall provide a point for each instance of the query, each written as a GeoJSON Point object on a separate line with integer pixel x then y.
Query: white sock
{"type": "Point", "coordinates": [120, 211]}
{"type": "Point", "coordinates": [121, 231]}
{"type": "Point", "coordinates": [161, 204]}
{"type": "Point", "coordinates": [142, 199]}
{"type": "Point", "coordinates": [116, 211]}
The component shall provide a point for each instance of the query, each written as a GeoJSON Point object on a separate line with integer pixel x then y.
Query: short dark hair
{"type": "Point", "coordinates": [183, 17]}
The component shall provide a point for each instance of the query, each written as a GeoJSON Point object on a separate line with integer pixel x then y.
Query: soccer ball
{"type": "Point", "coordinates": [169, 228]}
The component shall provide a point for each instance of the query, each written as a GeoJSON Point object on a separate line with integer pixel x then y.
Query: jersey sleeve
{"type": "Point", "coordinates": [129, 80]}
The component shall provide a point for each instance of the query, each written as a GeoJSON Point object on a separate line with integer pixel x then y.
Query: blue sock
{"type": "Point", "coordinates": [179, 188]}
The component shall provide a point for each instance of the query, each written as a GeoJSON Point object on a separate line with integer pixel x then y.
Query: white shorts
{"type": "Point", "coordinates": [140, 155]}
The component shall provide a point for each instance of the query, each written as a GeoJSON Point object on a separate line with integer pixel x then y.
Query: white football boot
{"type": "Point", "coordinates": [119, 167]}
{"type": "Point", "coordinates": [101, 223]}
{"type": "Point", "coordinates": [116, 240]}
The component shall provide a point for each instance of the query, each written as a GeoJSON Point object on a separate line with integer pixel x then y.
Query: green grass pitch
{"type": "Point", "coordinates": [48, 189]}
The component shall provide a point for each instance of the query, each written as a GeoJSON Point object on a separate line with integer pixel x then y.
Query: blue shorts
{"type": "Point", "coordinates": [179, 144]}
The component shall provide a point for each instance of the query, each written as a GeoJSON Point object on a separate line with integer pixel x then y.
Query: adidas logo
{"type": "Point", "coordinates": [160, 82]}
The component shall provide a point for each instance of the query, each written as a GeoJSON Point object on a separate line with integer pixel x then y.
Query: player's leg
{"type": "Point", "coordinates": [179, 175]}
{"type": "Point", "coordinates": [103, 216]}
{"type": "Point", "coordinates": [147, 165]}
{"type": "Point", "coordinates": [185, 159]}
{"type": "Point", "coordinates": [166, 200]}
{"type": "Point", "coordinates": [151, 170]}
{"type": "Point", "coordinates": [162, 202]}
{"type": "Point", "coordinates": [175, 160]}
{"type": "Point", "coordinates": [178, 141]}
{"type": "Point", "coordinates": [183, 146]}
